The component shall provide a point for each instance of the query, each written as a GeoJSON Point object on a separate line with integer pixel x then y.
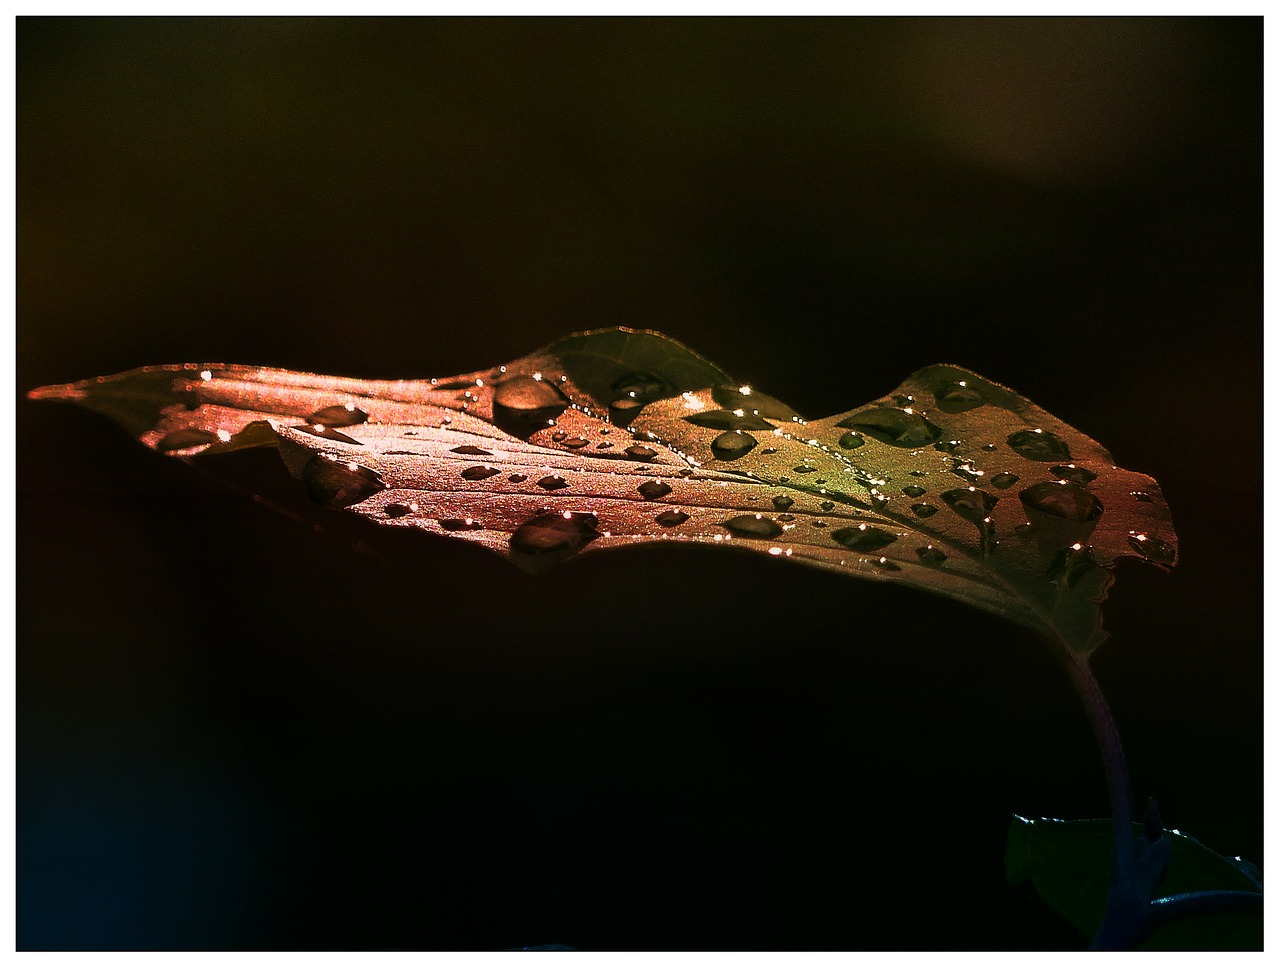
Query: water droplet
{"type": "Point", "coordinates": [396, 510]}
{"type": "Point", "coordinates": [728, 420]}
{"type": "Point", "coordinates": [552, 482]}
{"type": "Point", "coordinates": [1074, 474]}
{"type": "Point", "coordinates": [632, 393]}
{"type": "Point", "coordinates": [786, 517]}
{"type": "Point", "coordinates": [552, 533]}
{"type": "Point", "coordinates": [461, 524]}
{"type": "Point", "coordinates": [1004, 480]}
{"type": "Point", "coordinates": [884, 564]}
{"type": "Point", "coordinates": [603, 445]}
{"type": "Point", "coordinates": [575, 442]}
{"type": "Point", "coordinates": [769, 450]}
{"type": "Point", "coordinates": [913, 490]}
{"type": "Point", "coordinates": [947, 446]}
{"type": "Point", "coordinates": [931, 555]}
{"type": "Point", "coordinates": [517, 478]}
{"type": "Point", "coordinates": [315, 430]}
{"type": "Point", "coordinates": [652, 490]}
{"type": "Point", "coordinates": [782, 502]}
{"type": "Point", "coordinates": [958, 398]}
{"type": "Point", "coordinates": [851, 441]}
{"type": "Point", "coordinates": [753, 526]}
{"type": "Point", "coordinates": [478, 473]}
{"type": "Point", "coordinates": [184, 438]}
{"type": "Point", "coordinates": [339, 484]}
{"type": "Point", "coordinates": [827, 505]}
{"type": "Point", "coordinates": [472, 450]}
{"type": "Point", "coordinates": [970, 503]}
{"type": "Point", "coordinates": [1071, 564]}
{"type": "Point", "coordinates": [990, 447]}
{"type": "Point", "coordinates": [864, 537]}
{"type": "Point", "coordinates": [342, 415]}
{"type": "Point", "coordinates": [894, 427]}
{"type": "Point", "coordinates": [670, 518]}
{"type": "Point", "coordinates": [1142, 496]}
{"type": "Point", "coordinates": [558, 436]}
{"type": "Point", "coordinates": [640, 452]}
{"type": "Point", "coordinates": [819, 524]}
{"type": "Point", "coordinates": [1152, 548]}
{"type": "Point", "coordinates": [732, 444]}
{"type": "Point", "coordinates": [522, 404]}
{"type": "Point", "coordinates": [879, 501]}
{"type": "Point", "coordinates": [903, 400]}
{"type": "Point", "coordinates": [1067, 501]}
{"type": "Point", "coordinates": [966, 471]}
{"type": "Point", "coordinates": [1039, 445]}
{"type": "Point", "coordinates": [924, 510]}
{"type": "Point", "coordinates": [804, 469]}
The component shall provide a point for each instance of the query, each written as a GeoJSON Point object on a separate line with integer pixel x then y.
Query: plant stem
{"type": "Point", "coordinates": [1177, 906]}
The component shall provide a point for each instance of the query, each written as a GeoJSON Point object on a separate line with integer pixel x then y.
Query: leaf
{"type": "Point", "coordinates": [1069, 864]}
{"type": "Point", "coordinates": [951, 483]}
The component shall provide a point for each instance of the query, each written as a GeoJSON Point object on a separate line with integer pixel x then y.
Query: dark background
{"type": "Point", "coordinates": [241, 729]}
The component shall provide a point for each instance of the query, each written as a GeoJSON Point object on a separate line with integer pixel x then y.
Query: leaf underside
{"type": "Point", "coordinates": [950, 483]}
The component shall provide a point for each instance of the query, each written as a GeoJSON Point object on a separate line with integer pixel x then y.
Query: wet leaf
{"type": "Point", "coordinates": [950, 483]}
{"type": "Point", "coordinates": [1069, 864]}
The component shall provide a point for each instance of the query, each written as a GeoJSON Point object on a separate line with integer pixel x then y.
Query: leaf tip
{"type": "Point", "coordinates": [57, 391]}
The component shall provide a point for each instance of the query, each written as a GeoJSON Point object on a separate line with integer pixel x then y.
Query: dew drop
{"type": "Point", "coordinates": [471, 449]}
{"type": "Point", "coordinates": [894, 427]}
{"type": "Point", "coordinates": [671, 517]}
{"type": "Point", "coordinates": [1066, 501]}
{"type": "Point", "coordinates": [1074, 474]}
{"type": "Point", "coordinates": [958, 398]}
{"type": "Point", "coordinates": [478, 473]}
{"type": "Point", "coordinates": [558, 436]}
{"type": "Point", "coordinates": [1142, 496]}
{"type": "Point", "coordinates": [804, 469]}
{"type": "Point", "coordinates": [913, 490]}
{"type": "Point", "coordinates": [575, 442]}
{"type": "Point", "coordinates": [879, 501]}
{"type": "Point", "coordinates": [924, 510]}
{"type": "Point", "coordinates": [522, 404]}
{"type": "Point", "coordinates": [551, 533]}
{"type": "Point", "coordinates": [819, 524]}
{"type": "Point", "coordinates": [782, 502]}
{"type": "Point", "coordinates": [753, 526]}
{"type": "Point", "coordinates": [947, 446]}
{"type": "Point", "coordinates": [461, 524]}
{"type": "Point", "coordinates": [864, 537]}
{"type": "Point", "coordinates": [339, 484]}
{"type": "Point", "coordinates": [316, 430]}
{"type": "Point", "coordinates": [851, 441]}
{"type": "Point", "coordinates": [640, 452]}
{"type": "Point", "coordinates": [187, 437]}
{"type": "Point", "coordinates": [931, 555]}
{"type": "Point", "coordinates": [552, 482]}
{"type": "Point", "coordinates": [769, 450]}
{"type": "Point", "coordinates": [1004, 480]}
{"type": "Point", "coordinates": [1152, 548]}
{"type": "Point", "coordinates": [347, 415]}
{"type": "Point", "coordinates": [517, 478]}
{"type": "Point", "coordinates": [652, 490]}
{"type": "Point", "coordinates": [827, 505]}
{"type": "Point", "coordinates": [1039, 445]}
{"type": "Point", "coordinates": [786, 517]}
{"type": "Point", "coordinates": [732, 444]}
{"type": "Point", "coordinates": [396, 510]}
{"type": "Point", "coordinates": [970, 503]}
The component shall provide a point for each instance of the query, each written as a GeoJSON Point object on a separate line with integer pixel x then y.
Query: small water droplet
{"type": "Point", "coordinates": [671, 517]}
{"type": "Point", "coordinates": [1074, 474]}
{"type": "Point", "coordinates": [522, 404]}
{"type": "Point", "coordinates": [1067, 501]}
{"type": "Point", "coordinates": [931, 555]}
{"type": "Point", "coordinates": [879, 501]}
{"type": "Point", "coordinates": [342, 415]}
{"type": "Point", "coordinates": [517, 478]}
{"type": "Point", "coordinates": [184, 438]}
{"type": "Point", "coordinates": [1039, 445]}
{"type": "Point", "coordinates": [575, 442]}
{"type": "Point", "coordinates": [924, 510]}
{"type": "Point", "coordinates": [769, 450]}
{"type": "Point", "coordinates": [753, 526]}
{"type": "Point", "coordinates": [958, 398]}
{"type": "Point", "coordinates": [804, 469]}
{"type": "Point", "coordinates": [819, 524]}
{"type": "Point", "coordinates": [913, 490]}
{"type": "Point", "coordinates": [396, 510]}
{"type": "Point", "coordinates": [947, 446]}
{"type": "Point", "coordinates": [1142, 496]}
{"type": "Point", "coordinates": [471, 449]}
{"type": "Point", "coordinates": [551, 533]}
{"type": "Point", "coordinates": [966, 471]}
{"type": "Point", "coordinates": [851, 441]}
{"type": "Point", "coordinates": [552, 482]}
{"type": "Point", "coordinates": [990, 447]}
{"type": "Point", "coordinates": [782, 502]}
{"type": "Point", "coordinates": [478, 473]}
{"type": "Point", "coordinates": [864, 537]}
{"type": "Point", "coordinates": [884, 564]}
{"type": "Point", "coordinates": [604, 445]}
{"type": "Point", "coordinates": [786, 517]}
{"type": "Point", "coordinates": [1152, 548]}
{"type": "Point", "coordinates": [460, 524]}
{"type": "Point", "coordinates": [1004, 479]}
{"type": "Point", "coordinates": [652, 490]}
{"type": "Point", "coordinates": [894, 427]}
{"type": "Point", "coordinates": [315, 430]}
{"type": "Point", "coordinates": [827, 505]}
{"type": "Point", "coordinates": [558, 436]}
{"type": "Point", "coordinates": [339, 484]}
{"type": "Point", "coordinates": [640, 452]}
{"type": "Point", "coordinates": [732, 444]}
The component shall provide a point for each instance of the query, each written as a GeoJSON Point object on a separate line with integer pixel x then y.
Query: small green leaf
{"type": "Point", "coordinates": [950, 483]}
{"type": "Point", "coordinates": [1069, 864]}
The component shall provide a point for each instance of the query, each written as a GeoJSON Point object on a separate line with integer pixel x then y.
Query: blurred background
{"type": "Point", "coordinates": [246, 729]}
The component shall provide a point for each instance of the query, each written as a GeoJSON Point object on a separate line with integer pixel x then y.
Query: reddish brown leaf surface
{"type": "Point", "coordinates": [950, 483]}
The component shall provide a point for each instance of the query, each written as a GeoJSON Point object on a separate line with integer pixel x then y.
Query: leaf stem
{"type": "Point", "coordinates": [1177, 906]}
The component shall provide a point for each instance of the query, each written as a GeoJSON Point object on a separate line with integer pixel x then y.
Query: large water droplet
{"type": "Point", "coordinates": [1067, 501]}
{"type": "Point", "coordinates": [461, 524]}
{"type": "Point", "coordinates": [895, 427]}
{"type": "Point", "coordinates": [339, 484]}
{"type": "Point", "coordinates": [1004, 479]}
{"type": "Point", "coordinates": [851, 441]}
{"type": "Point", "coordinates": [732, 444]}
{"type": "Point", "coordinates": [185, 438]}
{"type": "Point", "coordinates": [1152, 548]}
{"type": "Point", "coordinates": [970, 503]}
{"type": "Point", "coordinates": [552, 482]}
{"type": "Point", "coordinates": [397, 510]}
{"type": "Point", "coordinates": [640, 452]}
{"type": "Point", "coordinates": [576, 442]}
{"type": "Point", "coordinates": [804, 469]}
{"type": "Point", "coordinates": [931, 555]}
{"type": "Point", "coordinates": [924, 510]}
{"type": "Point", "coordinates": [1074, 474]}
{"type": "Point", "coordinates": [652, 490]}
{"type": "Point", "coordinates": [913, 490]}
{"type": "Point", "coordinates": [342, 415]}
{"type": "Point", "coordinates": [958, 397]}
{"type": "Point", "coordinates": [471, 449]}
{"type": "Point", "coordinates": [522, 404]}
{"type": "Point", "coordinates": [478, 473]}
{"type": "Point", "coordinates": [552, 533]}
{"type": "Point", "coordinates": [782, 502]}
{"type": "Point", "coordinates": [864, 537]}
{"type": "Point", "coordinates": [631, 394]}
{"type": "Point", "coordinates": [1039, 445]}
{"type": "Point", "coordinates": [753, 526]}
{"type": "Point", "coordinates": [727, 420]}
{"type": "Point", "coordinates": [670, 518]}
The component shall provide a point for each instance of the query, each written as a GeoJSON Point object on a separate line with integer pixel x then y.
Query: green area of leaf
{"type": "Point", "coordinates": [950, 483]}
{"type": "Point", "coordinates": [1069, 864]}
